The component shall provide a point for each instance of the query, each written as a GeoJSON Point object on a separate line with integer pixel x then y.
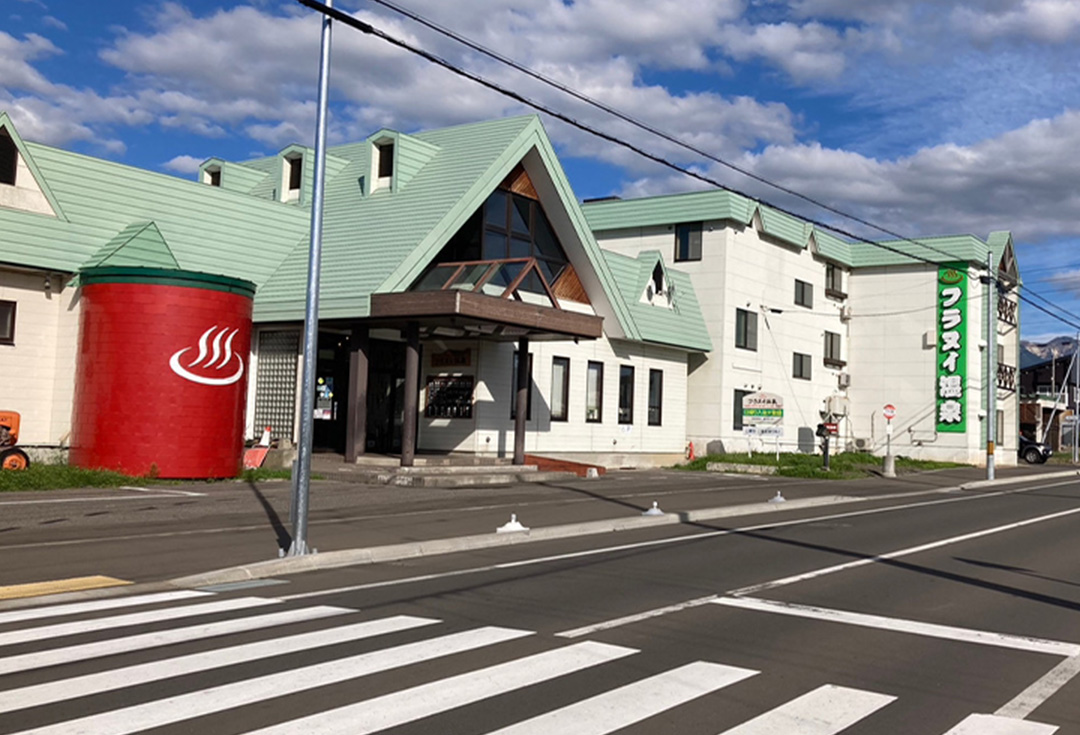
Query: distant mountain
{"type": "Point", "coordinates": [1032, 353]}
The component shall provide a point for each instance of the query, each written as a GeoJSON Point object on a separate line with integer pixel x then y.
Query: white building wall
{"type": "Point", "coordinates": [37, 373]}
{"type": "Point", "coordinates": [741, 269]}
{"type": "Point", "coordinates": [893, 360]}
{"type": "Point", "coordinates": [491, 430]}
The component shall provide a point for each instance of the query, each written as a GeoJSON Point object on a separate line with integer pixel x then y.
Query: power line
{"type": "Point", "coordinates": [476, 78]}
{"type": "Point", "coordinates": [518, 97]}
{"type": "Point", "coordinates": [625, 117]}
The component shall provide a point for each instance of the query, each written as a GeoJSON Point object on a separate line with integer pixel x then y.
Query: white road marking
{"type": "Point", "coordinates": [1031, 698]}
{"type": "Point", "coordinates": [163, 491]}
{"type": "Point", "coordinates": [426, 700]}
{"type": "Point", "coordinates": [622, 707]}
{"type": "Point", "coordinates": [757, 588]}
{"type": "Point", "coordinates": [105, 681]}
{"type": "Point", "coordinates": [900, 625]}
{"type": "Point", "coordinates": [617, 622]}
{"type": "Point", "coordinates": [118, 621]}
{"type": "Point", "coordinates": [237, 694]}
{"type": "Point", "coordinates": [824, 711]}
{"type": "Point", "coordinates": [98, 649]}
{"type": "Point", "coordinates": [655, 542]}
{"type": "Point", "coordinates": [77, 608]}
{"type": "Point", "coordinates": [994, 725]}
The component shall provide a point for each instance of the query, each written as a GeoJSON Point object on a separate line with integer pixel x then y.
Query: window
{"type": "Point", "coordinates": [801, 366]}
{"type": "Point", "coordinates": [804, 294]}
{"type": "Point", "coordinates": [688, 241]}
{"type": "Point", "coordinates": [213, 176]}
{"type": "Point", "coordinates": [296, 170]}
{"type": "Point", "coordinates": [513, 390]}
{"type": "Point", "coordinates": [832, 350]}
{"type": "Point", "coordinates": [7, 322]}
{"type": "Point", "coordinates": [514, 226]}
{"type": "Point", "coordinates": [560, 388]}
{"type": "Point", "coordinates": [739, 396]}
{"type": "Point", "coordinates": [658, 279]}
{"type": "Point", "coordinates": [626, 394]}
{"type": "Point", "coordinates": [656, 397]}
{"type": "Point", "coordinates": [9, 159]}
{"type": "Point", "coordinates": [386, 159]}
{"type": "Point", "coordinates": [594, 393]}
{"type": "Point", "coordinates": [746, 329]}
{"type": "Point", "coordinates": [834, 281]}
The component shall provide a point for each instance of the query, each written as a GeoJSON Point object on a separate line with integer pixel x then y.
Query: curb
{"type": "Point", "coordinates": [1061, 474]}
{"type": "Point", "coordinates": [398, 552]}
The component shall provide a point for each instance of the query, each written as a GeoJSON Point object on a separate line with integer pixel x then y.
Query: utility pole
{"type": "Point", "coordinates": [302, 487]}
{"type": "Point", "coordinates": [991, 364]}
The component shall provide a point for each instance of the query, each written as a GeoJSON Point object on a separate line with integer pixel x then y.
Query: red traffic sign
{"type": "Point", "coordinates": [889, 411]}
{"type": "Point", "coordinates": [832, 429]}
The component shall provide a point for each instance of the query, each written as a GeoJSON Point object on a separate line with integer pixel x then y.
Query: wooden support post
{"type": "Point", "coordinates": [521, 398]}
{"type": "Point", "coordinates": [412, 378]}
{"type": "Point", "coordinates": [356, 419]}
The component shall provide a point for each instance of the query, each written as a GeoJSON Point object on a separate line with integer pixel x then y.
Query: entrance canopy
{"type": "Point", "coordinates": [500, 300]}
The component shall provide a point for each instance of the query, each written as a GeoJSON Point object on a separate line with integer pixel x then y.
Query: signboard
{"type": "Point", "coordinates": [889, 411]}
{"type": "Point", "coordinates": [762, 408]}
{"type": "Point", "coordinates": [832, 429]}
{"type": "Point", "coordinates": [763, 414]}
{"type": "Point", "coordinates": [951, 388]}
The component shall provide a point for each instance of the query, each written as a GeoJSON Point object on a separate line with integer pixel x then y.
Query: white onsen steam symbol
{"type": "Point", "coordinates": [212, 360]}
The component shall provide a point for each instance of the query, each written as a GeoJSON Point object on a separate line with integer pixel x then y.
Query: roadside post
{"type": "Point", "coordinates": [827, 431]}
{"type": "Point", "coordinates": [889, 468]}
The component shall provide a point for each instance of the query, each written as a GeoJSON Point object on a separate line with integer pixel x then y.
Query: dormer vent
{"type": "Point", "coordinates": [296, 171]}
{"type": "Point", "coordinates": [386, 159]}
{"type": "Point", "coordinates": [212, 175]}
{"type": "Point", "coordinates": [9, 159]}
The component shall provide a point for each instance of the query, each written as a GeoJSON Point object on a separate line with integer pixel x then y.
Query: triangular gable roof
{"type": "Point", "coordinates": [382, 242]}
{"type": "Point", "coordinates": [7, 125]}
{"type": "Point", "coordinates": [1001, 245]}
{"type": "Point", "coordinates": [138, 244]}
{"type": "Point", "coordinates": [681, 326]}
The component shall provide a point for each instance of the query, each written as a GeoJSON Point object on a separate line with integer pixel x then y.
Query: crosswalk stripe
{"type": "Point", "coordinates": [627, 705]}
{"type": "Point", "coordinates": [81, 686]}
{"type": "Point", "coordinates": [76, 608]}
{"type": "Point", "coordinates": [425, 700]}
{"type": "Point", "coordinates": [111, 647]}
{"type": "Point", "coordinates": [119, 621]}
{"type": "Point", "coordinates": [227, 696]}
{"type": "Point", "coordinates": [824, 711]}
{"type": "Point", "coordinates": [994, 725]}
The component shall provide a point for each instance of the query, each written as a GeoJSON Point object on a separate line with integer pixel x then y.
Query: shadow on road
{"type": "Point", "coordinates": [284, 538]}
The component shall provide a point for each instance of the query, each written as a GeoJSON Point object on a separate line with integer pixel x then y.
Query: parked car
{"type": "Point", "coordinates": [1034, 452]}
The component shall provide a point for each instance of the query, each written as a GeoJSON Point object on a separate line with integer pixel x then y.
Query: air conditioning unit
{"type": "Point", "coordinates": [862, 444]}
{"type": "Point", "coordinates": [843, 380]}
{"type": "Point", "coordinates": [836, 406]}
{"type": "Point", "coordinates": [845, 312]}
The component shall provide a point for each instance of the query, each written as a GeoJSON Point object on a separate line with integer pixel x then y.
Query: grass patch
{"type": "Point", "coordinates": [61, 476]}
{"type": "Point", "coordinates": [842, 466]}
{"type": "Point", "coordinates": [41, 476]}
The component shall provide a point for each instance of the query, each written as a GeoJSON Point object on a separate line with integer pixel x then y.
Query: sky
{"type": "Point", "coordinates": [926, 117]}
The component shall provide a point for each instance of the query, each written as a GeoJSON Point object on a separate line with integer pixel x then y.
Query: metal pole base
{"type": "Point", "coordinates": [299, 549]}
{"type": "Point", "coordinates": [889, 468]}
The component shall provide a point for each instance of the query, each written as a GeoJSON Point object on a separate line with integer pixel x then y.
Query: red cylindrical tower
{"type": "Point", "coordinates": [161, 379]}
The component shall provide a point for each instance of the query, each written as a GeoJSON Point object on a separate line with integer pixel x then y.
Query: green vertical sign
{"type": "Point", "coordinates": [951, 388]}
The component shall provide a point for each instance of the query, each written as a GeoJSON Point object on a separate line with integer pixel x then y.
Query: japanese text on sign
{"type": "Point", "coordinates": [951, 388]}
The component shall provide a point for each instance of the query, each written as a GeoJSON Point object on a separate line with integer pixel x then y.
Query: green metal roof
{"type": "Point", "coordinates": [718, 204]}
{"type": "Point", "coordinates": [682, 325]}
{"type": "Point", "coordinates": [138, 244]}
{"type": "Point", "coordinates": [381, 241]}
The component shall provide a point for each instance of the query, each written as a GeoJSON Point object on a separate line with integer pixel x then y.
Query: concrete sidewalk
{"type": "Point", "coordinates": [168, 542]}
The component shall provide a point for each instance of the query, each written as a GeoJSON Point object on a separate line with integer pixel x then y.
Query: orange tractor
{"type": "Point", "coordinates": [11, 457]}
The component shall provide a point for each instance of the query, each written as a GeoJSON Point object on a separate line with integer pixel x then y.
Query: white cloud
{"type": "Point", "coordinates": [1052, 21]}
{"type": "Point", "coordinates": [184, 164]}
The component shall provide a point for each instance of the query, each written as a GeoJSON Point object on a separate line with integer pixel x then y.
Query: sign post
{"type": "Point", "coordinates": [889, 468]}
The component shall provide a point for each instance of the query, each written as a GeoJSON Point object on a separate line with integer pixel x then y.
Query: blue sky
{"type": "Point", "coordinates": [926, 116]}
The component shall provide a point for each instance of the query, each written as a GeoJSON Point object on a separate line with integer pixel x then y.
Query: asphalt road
{"type": "Point", "coordinates": [158, 533]}
{"type": "Point", "coordinates": [943, 613]}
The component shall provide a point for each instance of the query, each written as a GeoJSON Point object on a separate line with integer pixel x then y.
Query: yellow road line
{"type": "Point", "coordinates": [15, 591]}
